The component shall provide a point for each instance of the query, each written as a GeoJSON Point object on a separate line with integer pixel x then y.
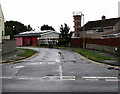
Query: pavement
{"type": "Point", "coordinates": [11, 57]}
{"type": "Point", "coordinates": [115, 58]}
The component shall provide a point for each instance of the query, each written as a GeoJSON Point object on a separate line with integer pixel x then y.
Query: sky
{"type": "Point", "coordinates": [57, 12]}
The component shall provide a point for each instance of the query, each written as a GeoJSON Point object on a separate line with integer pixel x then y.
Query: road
{"type": "Point", "coordinates": [54, 70]}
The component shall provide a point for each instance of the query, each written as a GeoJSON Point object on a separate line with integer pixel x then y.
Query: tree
{"type": "Point", "coordinates": [46, 27]}
{"type": "Point", "coordinates": [13, 27]}
{"type": "Point", "coordinates": [29, 28]}
{"type": "Point", "coordinates": [65, 35]}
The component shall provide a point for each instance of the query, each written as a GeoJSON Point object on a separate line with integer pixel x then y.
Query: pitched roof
{"type": "Point", "coordinates": [34, 33]}
{"type": "Point", "coordinates": [100, 23]}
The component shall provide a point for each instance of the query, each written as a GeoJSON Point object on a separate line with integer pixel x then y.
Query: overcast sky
{"type": "Point", "coordinates": [57, 12]}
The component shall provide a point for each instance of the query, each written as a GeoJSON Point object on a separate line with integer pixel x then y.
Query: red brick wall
{"type": "Point", "coordinates": [106, 42]}
{"type": "Point", "coordinates": [77, 42]}
{"type": "Point", "coordinates": [114, 42]}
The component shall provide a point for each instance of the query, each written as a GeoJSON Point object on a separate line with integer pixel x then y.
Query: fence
{"type": "Point", "coordinates": [109, 44]}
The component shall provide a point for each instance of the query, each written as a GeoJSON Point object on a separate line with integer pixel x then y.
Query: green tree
{"type": "Point", "coordinates": [46, 27]}
{"type": "Point", "coordinates": [29, 28]}
{"type": "Point", "coordinates": [14, 27]}
{"type": "Point", "coordinates": [65, 35]}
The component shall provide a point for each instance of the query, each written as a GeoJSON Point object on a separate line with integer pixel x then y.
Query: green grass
{"type": "Point", "coordinates": [27, 52]}
{"type": "Point", "coordinates": [88, 53]}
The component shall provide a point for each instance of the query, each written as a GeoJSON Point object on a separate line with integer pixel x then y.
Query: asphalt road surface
{"type": "Point", "coordinates": [54, 70]}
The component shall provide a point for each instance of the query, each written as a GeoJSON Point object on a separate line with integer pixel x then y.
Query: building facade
{"type": "Point", "coordinates": [2, 30]}
{"type": "Point", "coordinates": [100, 28]}
{"type": "Point", "coordinates": [27, 39]}
{"type": "Point", "coordinates": [33, 38]}
{"type": "Point", "coordinates": [49, 37]}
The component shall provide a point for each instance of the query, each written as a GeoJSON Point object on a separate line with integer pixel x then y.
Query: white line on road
{"type": "Point", "coordinates": [112, 80]}
{"type": "Point", "coordinates": [98, 77]}
{"type": "Point", "coordinates": [60, 70]}
{"type": "Point", "coordinates": [5, 77]}
{"type": "Point", "coordinates": [92, 79]}
{"type": "Point", "coordinates": [57, 60]}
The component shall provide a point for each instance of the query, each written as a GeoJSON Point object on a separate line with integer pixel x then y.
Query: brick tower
{"type": "Point", "coordinates": [77, 23]}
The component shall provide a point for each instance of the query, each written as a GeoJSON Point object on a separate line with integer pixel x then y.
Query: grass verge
{"type": "Point", "coordinates": [88, 53]}
{"type": "Point", "coordinates": [26, 52]}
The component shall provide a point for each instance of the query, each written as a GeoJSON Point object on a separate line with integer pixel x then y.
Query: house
{"type": "Point", "coordinates": [2, 30]}
{"type": "Point", "coordinates": [6, 45]}
{"type": "Point", "coordinates": [98, 28]}
{"type": "Point", "coordinates": [49, 37]}
{"type": "Point", "coordinates": [34, 38]}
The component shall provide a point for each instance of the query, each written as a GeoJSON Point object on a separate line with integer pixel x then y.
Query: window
{"type": "Point", "coordinates": [100, 30]}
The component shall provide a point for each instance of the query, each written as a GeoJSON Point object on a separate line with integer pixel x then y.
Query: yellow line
{"type": "Point", "coordinates": [21, 60]}
{"type": "Point", "coordinates": [97, 62]}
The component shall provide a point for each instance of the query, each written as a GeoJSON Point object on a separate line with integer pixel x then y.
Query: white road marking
{"type": "Point", "coordinates": [68, 77]}
{"type": "Point", "coordinates": [18, 67]}
{"type": "Point", "coordinates": [23, 78]}
{"type": "Point", "coordinates": [65, 77]}
{"type": "Point", "coordinates": [92, 79]}
{"type": "Point", "coordinates": [60, 70]}
{"type": "Point", "coordinates": [5, 77]}
{"type": "Point", "coordinates": [112, 80]}
{"type": "Point", "coordinates": [97, 77]}
{"type": "Point", "coordinates": [57, 60]}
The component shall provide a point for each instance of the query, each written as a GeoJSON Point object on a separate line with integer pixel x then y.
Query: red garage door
{"type": "Point", "coordinates": [27, 41]}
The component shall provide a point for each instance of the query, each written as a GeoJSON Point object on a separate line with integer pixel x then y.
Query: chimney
{"type": "Point", "coordinates": [103, 18]}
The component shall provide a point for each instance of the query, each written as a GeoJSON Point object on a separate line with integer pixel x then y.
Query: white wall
{"type": "Point", "coordinates": [1, 24]}
{"type": "Point", "coordinates": [50, 35]}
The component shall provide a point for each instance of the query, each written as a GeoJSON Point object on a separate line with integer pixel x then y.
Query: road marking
{"type": "Point", "coordinates": [68, 77]}
{"type": "Point", "coordinates": [57, 60]}
{"type": "Point", "coordinates": [18, 67]}
{"type": "Point", "coordinates": [97, 77]}
{"type": "Point", "coordinates": [65, 77]}
{"type": "Point", "coordinates": [60, 70]}
{"type": "Point", "coordinates": [5, 77]}
{"type": "Point", "coordinates": [112, 80]}
{"type": "Point", "coordinates": [92, 79]}
{"type": "Point", "coordinates": [23, 78]}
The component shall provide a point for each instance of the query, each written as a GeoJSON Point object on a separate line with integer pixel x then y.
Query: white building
{"type": "Point", "coordinates": [2, 29]}
{"type": "Point", "coordinates": [48, 37]}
